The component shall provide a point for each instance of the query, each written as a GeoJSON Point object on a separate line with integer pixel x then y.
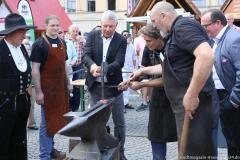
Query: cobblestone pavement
{"type": "Point", "coordinates": [137, 146]}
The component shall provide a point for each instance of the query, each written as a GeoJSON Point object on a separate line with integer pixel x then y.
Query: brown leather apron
{"type": "Point", "coordinates": [54, 86]}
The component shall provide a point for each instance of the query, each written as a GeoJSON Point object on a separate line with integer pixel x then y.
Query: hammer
{"type": "Point", "coordinates": [103, 74]}
{"type": "Point", "coordinates": [184, 137]}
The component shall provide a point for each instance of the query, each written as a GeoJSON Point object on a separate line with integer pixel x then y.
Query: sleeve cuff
{"type": "Point", "coordinates": [235, 105]}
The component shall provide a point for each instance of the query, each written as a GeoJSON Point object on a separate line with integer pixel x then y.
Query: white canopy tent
{"type": "Point", "coordinates": [146, 19]}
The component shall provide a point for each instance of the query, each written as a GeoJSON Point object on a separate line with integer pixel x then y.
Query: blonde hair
{"type": "Point", "coordinates": [50, 17]}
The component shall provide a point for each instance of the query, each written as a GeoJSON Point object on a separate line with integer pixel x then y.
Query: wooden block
{"type": "Point", "coordinates": [79, 82]}
{"type": "Point", "coordinates": [73, 142]}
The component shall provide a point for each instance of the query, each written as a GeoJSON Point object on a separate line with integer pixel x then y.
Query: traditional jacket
{"type": "Point", "coordinates": [12, 80]}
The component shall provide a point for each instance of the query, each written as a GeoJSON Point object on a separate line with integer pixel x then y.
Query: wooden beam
{"type": "Point", "coordinates": [225, 5]}
{"type": "Point", "coordinates": [152, 4]}
{"type": "Point", "coordinates": [140, 8]}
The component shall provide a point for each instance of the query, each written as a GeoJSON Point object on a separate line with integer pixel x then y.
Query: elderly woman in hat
{"type": "Point", "coordinates": [15, 78]}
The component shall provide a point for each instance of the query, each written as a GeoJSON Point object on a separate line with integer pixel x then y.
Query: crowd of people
{"type": "Point", "coordinates": [187, 71]}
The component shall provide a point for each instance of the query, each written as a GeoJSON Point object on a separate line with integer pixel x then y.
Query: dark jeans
{"type": "Point", "coordinates": [230, 121]}
{"type": "Point", "coordinates": [13, 120]}
{"type": "Point", "coordinates": [75, 100]}
{"type": "Point", "coordinates": [159, 150]}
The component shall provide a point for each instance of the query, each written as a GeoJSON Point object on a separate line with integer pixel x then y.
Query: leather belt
{"type": "Point", "coordinates": [12, 96]}
{"type": "Point", "coordinates": [5, 93]}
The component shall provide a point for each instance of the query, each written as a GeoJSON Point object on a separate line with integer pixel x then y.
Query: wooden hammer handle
{"type": "Point", "coordinates": [184, 137]}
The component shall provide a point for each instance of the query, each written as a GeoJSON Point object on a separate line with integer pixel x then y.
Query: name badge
{"type": "Point", "coordinates": [54, 45]}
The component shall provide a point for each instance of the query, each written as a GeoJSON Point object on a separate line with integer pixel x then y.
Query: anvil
{"type": "Point", "coordinates": [90, 125]}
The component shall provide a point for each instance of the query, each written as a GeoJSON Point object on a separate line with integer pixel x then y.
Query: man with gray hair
{"type": "Point", "coordinates": [108, 46]}
{"type": "Point", "coordinates": [79, 43]}
{"type": "Point", "coordinates": [15, 88]}
{"type": "Point", "coordinates": [230, 21]}
{"type": "Point", "coordinates": [187, 79]}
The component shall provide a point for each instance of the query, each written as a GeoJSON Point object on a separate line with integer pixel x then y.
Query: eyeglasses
{"type": "Point", "coordinates": [206, 25]}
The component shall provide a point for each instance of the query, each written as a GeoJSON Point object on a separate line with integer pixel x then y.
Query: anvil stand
{"type": "Point", "coordinates": [90, 125]}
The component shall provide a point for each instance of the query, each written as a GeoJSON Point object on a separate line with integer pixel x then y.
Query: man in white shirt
{"type": "Point", "coordinates": [227, 65]}
{"type": "Point", "coordinates": [129, 66]}
{"type": "Point", "coordinates": [108, 46]}
{"type": "Point", "coordinates": [15, 88]}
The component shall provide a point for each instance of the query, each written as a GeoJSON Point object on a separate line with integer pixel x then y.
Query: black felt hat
{"type": "Point", "coordinates": [14, 22]}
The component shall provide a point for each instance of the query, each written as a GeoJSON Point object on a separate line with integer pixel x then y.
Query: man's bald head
{"type": "Point", "coordinates": [164, 7]}
{"type": "Point", "coordinates": [162, 16]}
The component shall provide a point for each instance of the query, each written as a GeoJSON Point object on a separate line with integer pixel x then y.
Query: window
{"type": "Point", "coordinates": [220, 2]}
{"type": "Point", "coordinates": [112, 4]}
{"type": "Point", "coordinates": [91, 5]}
{"type": "Point", "coordinates": [71, 5]}
{"type": "Point", "coordinates": [130, 5]}
{"type": "Point", "coordinates": [200, 3]}
{"type": "Point", "coordinates": [134, 2]}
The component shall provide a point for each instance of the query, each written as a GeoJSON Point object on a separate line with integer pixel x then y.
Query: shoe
{"type": "Point", "coordinates": [142, 107]}
{"type": "Point", "coordinates": [33, 127]}
{"type": "Point", "coordinates": [122, 156]}
{"type": "Point", "coordinates": [108, 129]}
{"type": "Point", "coordinates": [55, 154]}
{"type": "Point", "coordinates": [148, 103]}
{"type": "Point", "coordinates": [128, 106]}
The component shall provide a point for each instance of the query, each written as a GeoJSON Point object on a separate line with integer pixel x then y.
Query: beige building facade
{"type": "Point", "coordinates": [87, 13]}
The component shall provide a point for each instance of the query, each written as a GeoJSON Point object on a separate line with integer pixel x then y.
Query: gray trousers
{"type": "Point", "coordinates": [117, 111]}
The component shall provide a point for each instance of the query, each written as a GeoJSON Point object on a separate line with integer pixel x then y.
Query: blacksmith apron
{"type": "Point", "coordinates": [54, 87]}
{"type": "Point", "coordinates": [161, 124]}
{"type": "Point", "coordinates": [200, 142]}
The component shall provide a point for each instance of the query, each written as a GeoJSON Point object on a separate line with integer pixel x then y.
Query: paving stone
{"type": "Point", "coordinates": [137, 145]}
